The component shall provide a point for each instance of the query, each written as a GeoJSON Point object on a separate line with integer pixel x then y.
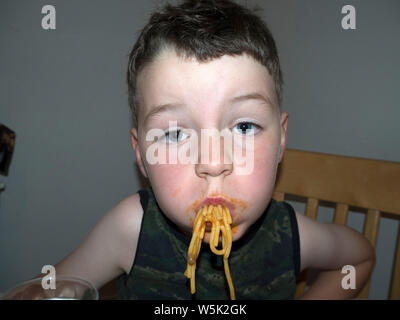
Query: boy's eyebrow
{"type": "Point", "coordinates": [252, 96]}
{"type": "Point", "coordinates": [162, 108]}
{"type": "Point", "coordinates": [173, 106]}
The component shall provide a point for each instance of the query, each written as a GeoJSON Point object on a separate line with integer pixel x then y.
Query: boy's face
{"type": "Point", "coordinates": [200, 96]}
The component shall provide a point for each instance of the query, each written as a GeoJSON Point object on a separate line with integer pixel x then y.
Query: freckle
{"type": "Point", "coordinates": [175, 193]}
{"type": "Point", "coordinates": [235, 229]}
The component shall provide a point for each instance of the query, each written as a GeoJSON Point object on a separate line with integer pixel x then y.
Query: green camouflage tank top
{"type": "Point", "coordinates": [264, 263]}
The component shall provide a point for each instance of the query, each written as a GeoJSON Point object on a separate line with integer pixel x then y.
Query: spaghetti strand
{"type": "Point", "coordinates": [221, 219]}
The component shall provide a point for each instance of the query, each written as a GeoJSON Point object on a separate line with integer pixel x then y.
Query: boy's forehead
{"type": "Point", "coordinates": [175, 79]}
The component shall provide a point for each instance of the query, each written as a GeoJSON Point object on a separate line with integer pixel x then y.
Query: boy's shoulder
{"type": "Point", "coordinates": [315, 238]}
{"type": "Point", "coordinates": [110, 244]}
{"type": "Point", "coordinates": [308, 228]}
{"type": "Point", "coordinates": [329, 245]}
{"type": "Point", "coordinates": [127, 215]}
{"type": "Point", "coordinates": [129, 206]}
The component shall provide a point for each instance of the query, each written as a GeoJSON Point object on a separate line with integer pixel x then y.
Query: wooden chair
{"type": "Point", "coordinates": [346, 181]}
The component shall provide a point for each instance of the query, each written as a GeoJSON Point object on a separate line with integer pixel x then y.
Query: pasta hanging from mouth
{"type": "Point", "coordinates": [221, 223]}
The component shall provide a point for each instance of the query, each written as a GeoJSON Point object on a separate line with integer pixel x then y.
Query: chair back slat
{"type": "Point", "coordinates": [312, 208]}
{"type": "Point", "coordinates": [311, 212]}
{"type": "Point", "coordinates": [365, 291]}
{"type": "Point", "coordinates": [301, 284]}
{"type": "Point", "coordinates": [395, 284]}
{"type": "Point", "coordinates": [341, 213]}
{"type": "Point", "coordinates": [371, 225]}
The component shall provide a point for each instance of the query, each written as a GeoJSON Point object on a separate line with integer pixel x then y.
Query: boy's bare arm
{"type": "Point", "coordinates": [329, 247]}
{"type": "Point", "coordinates": [110, 246]}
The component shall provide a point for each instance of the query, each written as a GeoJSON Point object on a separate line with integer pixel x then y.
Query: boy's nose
{"type": "Point", "coordinates": [215, 162]}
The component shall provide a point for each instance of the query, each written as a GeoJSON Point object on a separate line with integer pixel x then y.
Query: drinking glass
{"type": "Point", "coordinates": [66, 288]}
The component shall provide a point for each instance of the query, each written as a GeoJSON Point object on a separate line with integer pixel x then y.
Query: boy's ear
{"type": "Point", "coordinates": [284, 125]}
{"type": "Point", "coordinates": [136, 148]}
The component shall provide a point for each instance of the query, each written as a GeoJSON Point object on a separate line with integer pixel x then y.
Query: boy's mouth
{"type": "Point", "coordinates": [235, 206]}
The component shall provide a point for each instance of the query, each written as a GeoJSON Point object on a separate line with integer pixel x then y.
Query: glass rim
{"type": "Point", "coordinates": [89, 284]}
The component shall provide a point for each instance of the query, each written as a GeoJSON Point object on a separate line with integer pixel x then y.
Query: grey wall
{"type": "Point", "coordinates": [64, 94]}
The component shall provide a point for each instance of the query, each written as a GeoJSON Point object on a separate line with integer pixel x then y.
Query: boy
{"type": "Point", "coordinates": [211, 65]}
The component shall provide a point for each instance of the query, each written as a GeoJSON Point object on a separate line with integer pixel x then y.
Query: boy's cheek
{"type": "Point", "coordinates": [264, 173]}
{"type": "Point", "coordinates": [173, 186]}
{"type": "Point", "coordinates": [171, 175]}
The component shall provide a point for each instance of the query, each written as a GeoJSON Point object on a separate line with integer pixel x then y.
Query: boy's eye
{"type": "Point", "coordinates": [245, 128]}
{"type": "Point", "coordinates": [175, 136]}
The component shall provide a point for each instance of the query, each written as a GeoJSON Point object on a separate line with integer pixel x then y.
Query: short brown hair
{"type": "Point", "coordinates": [204, 29]}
